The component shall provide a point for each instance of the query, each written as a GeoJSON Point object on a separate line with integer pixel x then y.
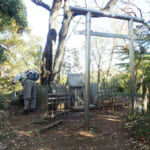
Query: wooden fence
{"type": "Point", "coordinates": [106, 95]}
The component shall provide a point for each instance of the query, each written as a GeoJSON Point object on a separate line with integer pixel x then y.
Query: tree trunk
{"type": "Point", "coordinates": [50, 69]}
{"type": "Point", "coordinates": [46, 67]}
{"type": "Point", "coordinates": [47, 59]}
{"type": "Point", "coordinates": [145, 98]}
{"type": "Point", "coordinates": [61, 43]}
{"type": "Point", "coordinates": [98, 76]}
{"type": "Point", "coordinates": [149, 101]}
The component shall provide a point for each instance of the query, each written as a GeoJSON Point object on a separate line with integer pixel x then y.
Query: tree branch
{"type": "Point", "coordinates": [130, 3]}
{"type": "Point", "coordinates": [97, 4]}
{"type": "Point", "coordinates": [73, 29]}
{"type": "Point", "coordinates": [42, 4]}
{"type": "Point", "coordinates": [110, 4]}
{"type": "Point", "coordinates": [111, 58]}
{"type": "Point", "coordinates": [140, 11]}
{"type": "Point", "coordinates": [85, 3]}
{"type": "Point", "coordinates": [129, 11]}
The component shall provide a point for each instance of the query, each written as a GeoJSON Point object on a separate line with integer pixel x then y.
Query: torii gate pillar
{"type": "Point", "coordinates": [132, 65]}
{"type": "Point", "coordinates": [87, 68]}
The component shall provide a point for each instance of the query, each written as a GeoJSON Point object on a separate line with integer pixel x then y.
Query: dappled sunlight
{"type": "Point", "coordinates": [109, 118]}
{"type": "Point", "coordinates": [25, 133]}
{"type": "Point", "coordinates": [42, 148]}
{"type": "Point", "coordinates": [87, 134]}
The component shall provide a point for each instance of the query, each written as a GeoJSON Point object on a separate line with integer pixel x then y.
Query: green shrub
{"type": "Point", "coordinates": [130, 117]}
{"type": "Point", "coordinates": [122, 94]}
{"type": "Point", "coordinates": [2, 107]}
{"type": "Point", "coordinates": [141, 125]}
{"type": "Point", "coordinates": [142, 128]}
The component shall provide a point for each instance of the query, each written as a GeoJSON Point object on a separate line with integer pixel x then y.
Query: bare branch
{"type": "Point", "coordinates": [111, 58]}
{"type": "Point", "coordinates": [42, 4]}
{"type": "Point", "coordinates": [75, 26]}
{"type": "Point", "coordinates": [123, 1]}
{"type": "Point", "coordinates": [129, 11]}
{"type": "Point", "coordinates": [140, 11]}
{"type": "Point", "coordinates": [130, 3]}
{"type": "Point", "coordinates": [110, 4]}
{"type": "Point", "coordinates": [85, 3]}
{"type": "Point", "coordinates": [97, 4]}
{"type": "Point", "coordinates": [147, 25]}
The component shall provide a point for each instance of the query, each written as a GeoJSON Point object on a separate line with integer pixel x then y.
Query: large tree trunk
{"type": "Point", "coordinates": [61, 43]}
{"type": "Point", "coordinates": [47, 59]}
{"type": "Point", "coordinates": [46, 66]}
{"type": "Point", "coordinates": [50, 70]}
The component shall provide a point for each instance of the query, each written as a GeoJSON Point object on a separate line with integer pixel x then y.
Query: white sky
{"type": "Point", "coordinates": [37, 19]}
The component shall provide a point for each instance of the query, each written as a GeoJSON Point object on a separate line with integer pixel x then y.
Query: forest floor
{"type": "Point", "coordinates": [107, 132]}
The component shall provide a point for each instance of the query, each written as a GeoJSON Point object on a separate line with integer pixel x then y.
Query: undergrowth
{"type": "Point", "coordinates": [140, 124]}
{"type": "Point", "coordinates": [1, 105]}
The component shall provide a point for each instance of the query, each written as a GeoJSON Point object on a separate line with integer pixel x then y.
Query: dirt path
{"type": "Point", "coordinates": [107, 132]}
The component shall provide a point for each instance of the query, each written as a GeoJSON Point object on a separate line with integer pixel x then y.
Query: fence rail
{"type": "Point", "coordinates": [58, 104]}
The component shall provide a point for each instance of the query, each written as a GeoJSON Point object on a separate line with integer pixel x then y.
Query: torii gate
{"type": "Point", "coordinates": [95, 13]}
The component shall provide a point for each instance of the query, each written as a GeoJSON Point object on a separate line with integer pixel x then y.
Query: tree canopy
{"type": "Point", "coordinates": [12, 10]}
{"type": "Point", "coordinates": [20, 54]}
